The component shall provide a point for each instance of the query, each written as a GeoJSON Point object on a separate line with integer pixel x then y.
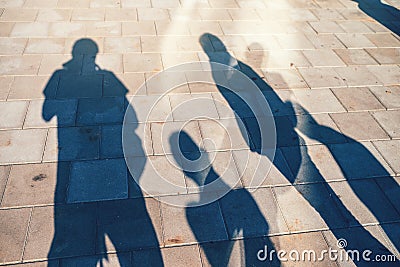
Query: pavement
{"type": "Point", "coordinates": [106, 152]}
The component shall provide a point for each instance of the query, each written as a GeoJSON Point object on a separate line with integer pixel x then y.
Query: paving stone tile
{"type": "Point", "coordinates": [67, 29]}
{"type": "Point", "coordinates": [321, 77]}
{"type": "Point", "coordinates": [327, 14]}
{"type": "Point", "coordinates": [147, 257]}
{"type": "Point", "coordinates": [91, 14]}
{"type": "Point", "coordinates": [160, 84]}
{"type": "Point", "coordinates": [383, 40]}
{"type": "Point", "coordinates": [258, 43]}
{"type": "Point", "coordinates": [326, 27]}
{"type": "Point", "coordinates": [355, 57]}
{"type": "Point", "coordinates": [167, 28]}
{"type": "Point", "coordinates": [353, 14]}
{"type": "Point", "coordinates": [104, 3]}
{"type": "Point", "coordinates": [138, 28]}
{"type": "Point", "coordinates": [199, 27]}
{"type": "Point", "coordinates": [279, 59]}
{"type": "Point", "coordinates": [360, 160]}
{"type": "Point", "coordinates": [165, 3]}
{"type": "Point", "coordinates": [6, 28]}
{"type": "Point", "coordinates": [61, 231]}
{"type": "Point", "coordinates": [365, 201]}
{"type": "Point", "coordinates": [98, 180]}
{"type": "Point", "coordinates": [13, 114]}
{"type": "Point", "coordinates": [50, 14]}
{"type": "Point", "coordinates": [294, 41]}
{"type": "Point", "coordinates": [142, 62]}
{"type": "Point", "coordinates": [16, 143]}
{"type": "Point", "coordinates": [358, 76]}
{"type": "Point", "coordinates": [251, 165]}
{"type": "Point", "coordinates": [4, 173]}
{"type": "Point", "coordinates": [298, 213]}
{"type": "Point", "coordinates": [390, 186]}
{"type": "Point", "coordinates": [389, 150]}
{"type": "Point", "coordinates": [12, 46]}
{"type": "Point", "coordinates": [323, 58]}
{"type": "Point", "coordinates": [30, 29]}
{"type": "Point", "coordinates": [17, 3]}
{"type": "Point", "coordinates": [45, 46]}
{"type": "Point", "coordinates": [240, 206]}
{"type": "Point", "coordinates": [122, 45]}
{"type": "Point", "coordinates": [145, 112]}
{"type": "Point", "coordinates": [359, 126]}
{"type": "Point", "coordinates": [72, 143]}
{"type": "Point", "coordinates": [385, 55]}
{"type": "Point", "coordinates": [355, 40]}
{"type": "Point", "coordinates": [244, 13]}
{"type": "Point", "coordinates": [66, 116]}
{"type": "Point", "coordinates": [40, 3]}
{"type": "Point", "coordinates": [50, 63]}
{"type": "Point", "coordinates": [79, 86]}
{"type": "Point", "coordinates": [317, 129]}
{"type": "Point", "coordinates": [106, 110]}
{"type": "Point", "coordinates": [194, 224]}
{"type": "Point", "coordinates": [106, 28]}
{"type": "Point", "coordinates": [318, 101]}
{"type": "Point", "coordinates": [131, 224]}
{"type": "Point", "coordinates": [357, 99]}
{"type": "Point", "coordinates": [224, 134]}
{"type": "Point", "coordinates": [165, 168]}
{"type": "Point", "coordinates": [152, 14]}
{"type": "Point", "coordinates": [20, 65]}
{"type": "Point", "coordinates": [14, 226]}
{"type": "Point", "coordinates": [390, 121]}
{"type": "Point", "coordinates": [172, 59]}
{"type": "Point", "coordinates": [109, 260]}
{"type": "Point", "coordinates": [5, 84]}
{"type": "Point", "coordinates": [116, 14]}
{"type": "Point", "coordinates": [73, 3]}
{"type": "Point", "coordinates": [161, 133]}
{"type": "Point", "coordinates": [36, 184]}
{"type": "Point", "coordinates": [285, 79]}
{"type": "Point", "coordinates": [30, 87]}
{"type": "Point", "coordinates": [182, 256]}
{"type": "Point", "coordinates": [388, 96]}
{"type": "Point", "coordinates": [388, 75]}
{"type": "Point", "coordinates": [130, 81]}
{"type": "Point", "coordinates": [39, 264]}
{"type": "Point", "coordinates": [354, 26]}
{"type": "Point", "coordinates": [202, 106]}
{"type": "Point", "coordinates": [18, 14]}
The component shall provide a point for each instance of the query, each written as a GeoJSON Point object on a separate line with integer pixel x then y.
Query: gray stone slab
{"type": "Point", "coordinates": [388, 96]}
{"type": "Point", "coordinates": [357, 99]}
{"type": "Point", "coordinates": [40, 111]}
{"type": "Point", "coordinates": [13, 114]}
{"type": "Point", "coordinates": [321, 77]}
{"type": "Point", "coordinates": [126, 225]}
{"type": "Point", "coordinates": [147, 257]}
{"type": "Point", "coordinates": [358, 76]}
{"type": "Point", "coordinates": [35, 184]}
{"type": "Point", "coordinates": [22, 146]}
{"type": "Point", "coordinates": [61, 231]}
{"type": "Point", "coordinates": [79, 86]}
{"type": "Point", "coordinates": [360, 126]}
{"type": "Point", "coordinates": [72, 143]}
{"type": "Point", "coordinates": [360, 160]}
{"type": "Point", "coordinates": [4, 173]}
{"type": "Point", "coordinates": [390, 186]}
{"type": "Point", "coordinates": [194, 224]}
{"type": "Point", "coordinates": [390, 121]}
{"type": "Point", "coordinates": [201, 105]}
{"type": "Point", "coordinates": [14, 224]}
{"type": "Point", "coordinates": [98, 180]}
{"type": "Point", "coordinates": [106, 110]}
{"type": "Point", "coordinates": [109, 260]}
{"type": "Point", "coordinates": [31, 87]}
{"type": "Point", "coordinates": [390, 150]}
{"type": "Point", "coordinates": [182, 256]}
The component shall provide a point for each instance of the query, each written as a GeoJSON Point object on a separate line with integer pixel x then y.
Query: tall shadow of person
{"type": "Point", "coordinates": [244, 211]}
{"type": "Point", "coordinates": [103, 210]}
{"type": "Point", "coordinates": [305, 175]}
{"type": "Point", "coordinates": [383, 13]}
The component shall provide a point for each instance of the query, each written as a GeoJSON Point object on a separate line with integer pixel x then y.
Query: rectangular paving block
{"type": "Point", "coordinates": [388, 96]}
{"type": "Point", "coordinates": [5, 84]}
{"type": "Point", "coordinates": [22, 146]}
{"type": "Point", "coordinates": [12, 46]}
{"type": "Point", "coordinates": [390, 150]}
{"type": "Point", "coordinates": [318, 101]}
{"type": "Point", "coordinates": [45, 46]}
{"type": "Point", "coordinates": [13, 114]}
{"type": "Point", "coordinates": [126, 225]}
{"type": "Point", "coordinates": [322, 77]}
{"type": "Point", "coordinates": [358, 76]}
{"type": "Point", "coordinates": [142, 109]}
{"type": "Point", "coordinates": [30, 29]}
{"type": "Point", "coordinates": [385, 55]}
{"type": "Point", "coordinates": [19, 14]}
{"type": "Point", "coordinates": [201, 105]}
{"type": "Point", "coordinates": [32, 87]}
{"type": "Point", "coordinates": [390, 121]}
{"type": "Point", "coordinates": [61, 231]}
{"type": "Point", "coordinates": [106, 110]}
{"type": "Point", "coordinates": [182, 256]}
{"type": "Point", "coordinates": [390, 186]}
{"type": "Point", "coordinates": [323, 58]}
{"type": "Point", "coordinates": [79, 86]}
{"type": "Point", "coordinates": [98, 180]}
{"type": "Point", "coordinates": [355, 57]}
{"type": "Point", "coordinates": [109, 260]}
{"type": "Point", "coordinates": [20, 65]}
{"type": "Point", "coordinates": [142, 62]}
{"type": "Point", "coordinates": [194, 225]}
{"type": "Point", "coordinates": [14, 224]}
{"type": "Point", "coordinates": [355, 40]}
{"type": "Point", "coordinates": [357, 99]}
{"type": "Point", "coordinates": [72, 143]}
{"type": "Point", "coordinates": [52, 14]}
{"type": "Point", "coordinates": [388, 75]}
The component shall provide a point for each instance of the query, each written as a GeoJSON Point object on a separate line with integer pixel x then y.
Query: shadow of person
{"type": "Point", "coordinates": [243, 213]}
{"type": "Point", "coordinates": [305, 175]}
{"type": "Point", "coordinates": [383, 13]}
{"type": "Point", "coordinates": [102, 210]}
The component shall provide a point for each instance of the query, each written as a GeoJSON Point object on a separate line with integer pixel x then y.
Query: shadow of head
{"type": "Point", "coordinates": [85, 46]}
